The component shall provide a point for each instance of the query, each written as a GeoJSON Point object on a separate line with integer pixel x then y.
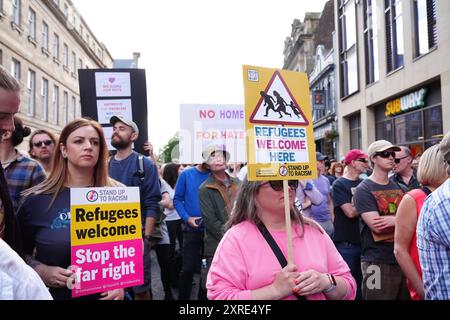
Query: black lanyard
{"type": "Point", "coordinates": [276, 250]}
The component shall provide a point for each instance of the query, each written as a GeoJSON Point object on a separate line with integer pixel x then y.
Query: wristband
{"type": "Point", "coordinates": [333, 283]}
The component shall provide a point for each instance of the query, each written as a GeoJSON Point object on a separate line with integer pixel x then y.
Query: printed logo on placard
{"type": "Point", "coordinates": [92, 196]}
{"type": "Point", "coordinates": [252, 75]}
{"type": "Point", "coordinates": [283, 171]}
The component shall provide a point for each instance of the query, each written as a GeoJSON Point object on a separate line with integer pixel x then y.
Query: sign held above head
{"type": "Point", "coordinates": [280, 138]}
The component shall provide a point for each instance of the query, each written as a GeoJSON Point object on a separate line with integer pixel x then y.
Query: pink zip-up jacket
{"type": "Point", "coordinates": [244, 261]}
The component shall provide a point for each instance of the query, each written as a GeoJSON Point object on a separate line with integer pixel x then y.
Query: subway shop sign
{"type": "Point", "coordinates": [406, 103]}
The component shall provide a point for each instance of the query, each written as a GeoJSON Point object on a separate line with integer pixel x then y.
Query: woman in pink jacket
{"type": "Point", "coordinates": [246, 268]}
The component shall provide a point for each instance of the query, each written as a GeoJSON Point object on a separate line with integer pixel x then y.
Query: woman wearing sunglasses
{"type": "Point", "coordinates": [245, 266]}
{"type": "Point", "coordinates": [44, 217]}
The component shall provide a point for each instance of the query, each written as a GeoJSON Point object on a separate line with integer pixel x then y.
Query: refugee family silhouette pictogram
{"type": "Point", "coordinates": [280, 104]}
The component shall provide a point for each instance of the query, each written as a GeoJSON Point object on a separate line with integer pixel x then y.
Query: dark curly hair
{"type": "Point", "coordinates": [19, 132]}
{"type": "Point", "coordinates": [170, 174]}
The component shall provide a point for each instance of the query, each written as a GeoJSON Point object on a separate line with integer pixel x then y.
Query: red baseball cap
{"type": "Point", "coordinates": [354, 155]}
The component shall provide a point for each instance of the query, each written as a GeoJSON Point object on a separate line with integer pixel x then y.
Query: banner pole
{"type": "Point", "coordinates": [287, 212]}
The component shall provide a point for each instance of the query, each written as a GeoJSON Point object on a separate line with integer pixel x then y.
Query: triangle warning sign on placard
{"type": "Point", "coordinates": [277, 105]}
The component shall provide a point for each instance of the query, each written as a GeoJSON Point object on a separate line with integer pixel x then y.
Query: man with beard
{"type": "Point", "coordinates": [124, 167]}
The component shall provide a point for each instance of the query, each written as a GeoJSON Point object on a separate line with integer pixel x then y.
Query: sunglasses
{"type": "Point", "coordinates": [397, 160]}
{"type": "Point", "coordinates": [385, 154]}
{"type": "Point", "coordinates": [362, 160]}
{"type": "Point", "coordinates": [277, 185]}
{"type": "Point", "coordinates": [40, 143]}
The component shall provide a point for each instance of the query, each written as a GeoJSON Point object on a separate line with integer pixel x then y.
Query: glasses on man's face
{"type": "Point", "coordinates": [41, 143]}
{"type": "Point", "coordinates": [397, 160]}
{"type": "Point", "coordinates": [277, 185]}
{"type": "Point", "coordinates": [385, 154]}
{"type": "Point", "coordinates": [364, 160]}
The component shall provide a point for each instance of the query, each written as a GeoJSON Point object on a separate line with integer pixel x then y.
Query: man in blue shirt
{"type": "Point", "coordinates": [124, 168]}
{"type": "Point", "coordinates": [186, 202]}
{"type": "Point", "coordinates": [433, 236]}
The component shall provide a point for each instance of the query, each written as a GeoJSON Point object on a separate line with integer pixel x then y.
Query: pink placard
{"type": "Point", "coordinates": [107, 266]}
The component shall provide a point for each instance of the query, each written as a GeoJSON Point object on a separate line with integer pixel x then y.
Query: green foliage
{"type": "Point", "coordinates": [170, 150]}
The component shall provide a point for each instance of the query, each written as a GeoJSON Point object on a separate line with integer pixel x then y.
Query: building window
{"type": "Point", "coordinates": [66, 56]}
{"type": "Point", "coordinates": [74, 61]}
{"type": "Point", "coordinates": [17, 11]}
{"type": "Point", "coordinates": [15, 69]}
{"type": "Point", "coordinates": [44, 35]}
{"type": "Point", "coordinates": [419, 129]}
{"type": "Point", "coordinates": [56, 46]}
{"type": "Point", "coordinates": [56, 2]}
{"type": "Point", "coordinates": [80, 63]}
{"type": "Point", "coordinates": [371, 41]}
{"type": "Point", "coordinates": [347, 47]}
{"type": "Point", "coordinates": [66, 10]}
{"type": "Point", "coordinates": [318, 102]}
{"type": "Point", "coordinates": [394, 34]}
{"type": "Point", "coordinates": [355, 131]}
{"type": "Point", "coordinates": [1, 57]}
{"type": "Point", "coordinates": [65, 108]}
{"type": "Point", "coordinates": [44, 99]}
{"type": "Point", "coordinates": [32, 24]}
{"type": "Point", "coordinates": [55, 102]}
{"type": "Point", "coordinates": [425, 29]}
{"type": "Point", "coordinates": [31, 85]}
{"type": "Point", "coordinates": [74, 107]}
{"type": "Point", "coordinates": [331, 106]}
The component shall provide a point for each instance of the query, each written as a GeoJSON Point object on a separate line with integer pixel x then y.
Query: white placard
{"type": "Point", "coordinates": [108, 108]}
{"type": "Point", "coordinates": [205, 124]}
{"type": "Point", "coordinates": [112, 84]}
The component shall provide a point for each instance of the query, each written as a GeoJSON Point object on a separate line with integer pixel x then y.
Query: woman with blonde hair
{"type": "Point", "coordinates": [432, 172]}
{"type": "Point", "coordinates": [80, 160]}
{"type": "Point", "coordinates": [247, 265]}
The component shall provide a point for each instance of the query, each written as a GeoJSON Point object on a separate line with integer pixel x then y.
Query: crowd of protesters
{"type": "Point", "coordinates": [375, 225]}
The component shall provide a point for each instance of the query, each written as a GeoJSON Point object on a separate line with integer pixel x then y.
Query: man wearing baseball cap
{"type": "Point", "coordinates": [346, 223]}
{"type": "Point", "coordinates": [124, 167]}
{"type": "Point", "coordinates": [376, 202]}
{"type": "Point", "coordinates": [433, 236]}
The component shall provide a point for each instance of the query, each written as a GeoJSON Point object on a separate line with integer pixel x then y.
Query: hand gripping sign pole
{"type": "Point", "coordinates": [280, 139]}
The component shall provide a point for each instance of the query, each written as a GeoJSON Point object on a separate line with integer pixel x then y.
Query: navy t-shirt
{"type": "Point", "coordinates": [47, 229]}
{"type": "Point", "coordinates": [384, 199]}
{"type": "Point", "coordinates": [345, 228]}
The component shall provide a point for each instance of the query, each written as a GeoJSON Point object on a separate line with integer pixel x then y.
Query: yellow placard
{"type": "Point", "coordinates": [101, 223]}
{"type": "Point", "coordinates": [280, 138]}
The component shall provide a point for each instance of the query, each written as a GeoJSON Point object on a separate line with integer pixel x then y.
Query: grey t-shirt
{"type": "Point", "coordinates": [384, 199]}
{"type": "Point", "coordinates": [171, 214]}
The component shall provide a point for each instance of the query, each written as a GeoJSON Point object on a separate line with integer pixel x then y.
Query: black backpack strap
{"type": "Point", "coordinates": [276, 250]}
{"type": "Point", "coordinates": [140, 173]}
